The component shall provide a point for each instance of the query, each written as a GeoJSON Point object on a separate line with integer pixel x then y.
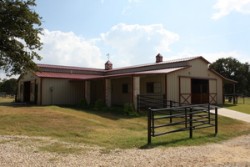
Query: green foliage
{"type": "Point", "coordinates": [19, 36]}
{"type": "Point", "coordinates": [243, 105]}
{"type": "Point", "coordinates": [83, 103]}
{"type": "Point", "coordinates": [233, 69]}
{"type": "Point", "coordinates": [9, 86]}
{"type": "Point", "coordinates": [99, 104]}
{"type": "Point", "coordinates": [128, 109]}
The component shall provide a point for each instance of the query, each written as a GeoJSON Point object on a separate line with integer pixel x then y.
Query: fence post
{"type": "Point", "coordinates": [170, 113]}
{"type": "Point", "coordinates": [216, 121]}
{"type": "Point", "coordinates": [190, 123]}
{"type": "Point", "coordinates": [186, 117]}
{"type": "Point", "coordinates": [149, 125]}
{"type": "Point", "coordinates": [208, 110]}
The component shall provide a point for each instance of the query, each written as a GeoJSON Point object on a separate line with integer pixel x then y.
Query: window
{"type": "Point", "coordinates": [150, 87]}
{"type": "Point", "coordinates": [124, 88]}
{"type": "Point", "coordinates": [153, 87]}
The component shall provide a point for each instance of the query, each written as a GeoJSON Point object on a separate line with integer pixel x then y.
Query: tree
{"type": "Point", "coordinates": [233, 69]}
{"type": "Point", "coordinates": [9, 86]}
{"type": "Point", "coordinates": [19, 36]}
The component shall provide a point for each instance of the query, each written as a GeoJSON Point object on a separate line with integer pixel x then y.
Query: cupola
{"type": "Point", "coordinates": [159, 58]}
{"type": "Point", "coordinates": [108, 65]}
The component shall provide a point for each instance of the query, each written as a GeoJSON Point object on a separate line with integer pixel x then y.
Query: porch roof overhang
{"type": "Point", "coordinates": [65, 75]}
{"type": "Point", "coordinates": [151, 72]}
{"type": "Point", "coordinates": [226, 80]}
{"type": "Point", "coordinates": [91, 77]}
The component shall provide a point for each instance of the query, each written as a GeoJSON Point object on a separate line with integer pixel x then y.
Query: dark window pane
{"type": "Point", "coordinates": [124, 88]}
{"type": "Point", "coordinates": [150, 87]}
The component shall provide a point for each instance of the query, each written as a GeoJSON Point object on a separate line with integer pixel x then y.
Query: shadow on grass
{"type": "Point", "coordinates": [113, 113]}
{"type": "Point", "coordinates": [185, 141]}
{"type": "Point", "coordinates": [16, 104]}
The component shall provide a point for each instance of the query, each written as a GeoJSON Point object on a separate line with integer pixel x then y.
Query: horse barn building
{"type": "Point", "coordinates": [188, 81]}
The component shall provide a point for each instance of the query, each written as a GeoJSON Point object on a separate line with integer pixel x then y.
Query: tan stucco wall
{"type": "Point", "coordinates": [64, 91]}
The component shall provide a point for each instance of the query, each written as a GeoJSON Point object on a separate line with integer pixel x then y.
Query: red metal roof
{"type": "Point", "coordinates": [65, 75]}
{"type": "Point", "coordinates": [162, 71]}
{"type": "Point", "coordinates": [164, 62]}
{"type": "Point", "coordinates": [87, 77]}
{"type": "Point", "coordinates": [129, 67]}
{"type": "Point", "coordinates": [67, 67]}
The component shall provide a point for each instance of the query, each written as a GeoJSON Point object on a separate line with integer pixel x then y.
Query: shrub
{"type": "Point", "coordinates": [83, 103]}
{"type": "Point", "coordinates": [99, 104]}
{"type": "Point", "coordinates": [128, 109]}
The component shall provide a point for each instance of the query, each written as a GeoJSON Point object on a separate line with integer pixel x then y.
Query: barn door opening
{"type": "Point", "coordinates": [200, 91]}
{"type": "Point", "coordinates": [26, 92]}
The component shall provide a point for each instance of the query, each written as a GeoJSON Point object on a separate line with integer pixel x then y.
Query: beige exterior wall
{"type": "Point", "coordinates": [118, 97]}
{"type": "Point", "coordinates": [97, 90]}
{"type": "Point", "coordinates": [159, 84]}
{"type": "Point", "coordinates": [198, 70]}
{"type": "Point", "coordinates": [87, 91]}
{"type": "Point", "coordinates": [61, 91]}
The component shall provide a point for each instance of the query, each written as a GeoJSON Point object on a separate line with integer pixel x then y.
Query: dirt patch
{"type": "Point", "coordinates": [24, 151]}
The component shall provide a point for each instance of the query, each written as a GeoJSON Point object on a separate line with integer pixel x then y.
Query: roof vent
{"type": "Point", "coordinates": [108, 65]}
{"type": "Point", "coordinates": [159, 58]}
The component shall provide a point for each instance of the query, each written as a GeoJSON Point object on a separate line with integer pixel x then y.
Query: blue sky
{"type": "Point", "coordinates": [82, 32]}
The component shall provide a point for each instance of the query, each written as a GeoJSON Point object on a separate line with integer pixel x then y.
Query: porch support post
{"type": "Point", "coordinates": [108, 92]}
{"type": "Point", "coordinates": [166, 87]}
{"type": "Point", "coordinates": [136, 90]}
{"type": "Point", "coordinates": [234, 95]}
{"type": "Point", "coordinates": [87, 91]}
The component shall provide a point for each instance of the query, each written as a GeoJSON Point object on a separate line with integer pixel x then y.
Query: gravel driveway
{"type": "Point", "coordinates": [25, 151]}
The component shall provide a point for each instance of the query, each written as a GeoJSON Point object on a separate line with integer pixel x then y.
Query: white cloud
{"type": "Point", "coordinates": [66, 48]}
{"type": "Point", "coordinates": [127, 45]}
{"type": "Point", "coordinates": [225, 7]}
{"type": "Point", "coordinates": [135, 44]}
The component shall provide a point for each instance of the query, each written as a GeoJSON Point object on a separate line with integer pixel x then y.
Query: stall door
{"type": "Point", "coordinates": [26, 93]}
{"type": "Point", "coordinates": [200, 91]}
{"type": "Point", "coordinates": [185, 90]}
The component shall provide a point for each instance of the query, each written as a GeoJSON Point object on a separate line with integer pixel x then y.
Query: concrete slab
{"type": "Point", "coordinates": [233, 114]}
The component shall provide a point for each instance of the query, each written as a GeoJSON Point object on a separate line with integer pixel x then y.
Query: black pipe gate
{"type": "Point", "coordinates": [186, 118]}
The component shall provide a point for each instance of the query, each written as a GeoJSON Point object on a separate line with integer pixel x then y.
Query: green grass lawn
{"type": "Point", "coordinates": [109, 130]}
{"type": "Point", "coordinates": [241, 107]}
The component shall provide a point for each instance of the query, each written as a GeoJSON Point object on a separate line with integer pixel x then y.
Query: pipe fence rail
{"type": "Point", "coordinates": [154, 101]}
{"type": "Point", "coordinates": [183, 118]}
